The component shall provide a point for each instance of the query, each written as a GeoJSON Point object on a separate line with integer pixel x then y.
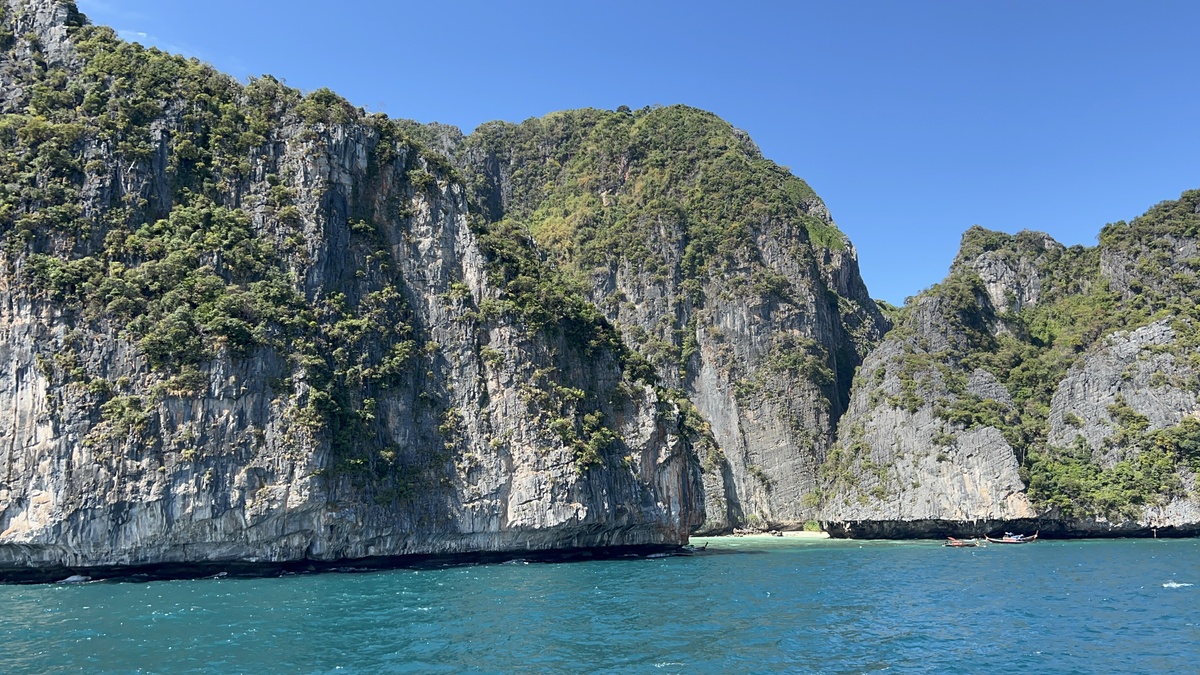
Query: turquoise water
{"type": "Point", "coordinates": [748, 605]}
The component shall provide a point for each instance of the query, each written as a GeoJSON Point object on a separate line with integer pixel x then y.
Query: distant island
{"type": "Point", "coordinates": [245, 325]}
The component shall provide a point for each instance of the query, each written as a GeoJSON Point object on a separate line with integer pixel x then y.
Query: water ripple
{"type": "Point", "coordinates": [749, 606]}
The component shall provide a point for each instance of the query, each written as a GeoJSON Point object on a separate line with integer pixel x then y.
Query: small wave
{"type": "Point", "coordinates": [664, 664]}
{"type": "Point", "coordinates": [74, 579]}
{"type": "Point", "coordinates": [1174, 584]}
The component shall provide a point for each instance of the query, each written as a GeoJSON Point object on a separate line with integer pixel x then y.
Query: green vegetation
{"type": "Point", "coordinates": [545, 298]}
{"type": "Point", "coordinates": [125, 414]}
{"type": "Point", "coordinates": [612, 176]}
{"type": "Point", "coordinates": [1038, 345]}
{"type": "Point", "coordinates": [672, 195]}
{"type": "Point", "coordinates": [184, 287]}
{"type": "Point", "coordinates": [572, 415]}
{"type": "Point", "coordinates": [141, 198]}
{"type": "Point", "coordinates": [1067, 479]}
{"type": "Point", "coordinates": [795, 358]}
{"type": "Point", "coordinates": [190, 276]}
{"type": "Point", "coordinates": [761, 476]}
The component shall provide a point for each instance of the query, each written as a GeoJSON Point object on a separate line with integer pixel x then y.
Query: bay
{"type": "Point", "coordinates": [754, 604]}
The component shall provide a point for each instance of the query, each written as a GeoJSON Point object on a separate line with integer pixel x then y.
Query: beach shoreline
{"type": "Point", "coordinates": [800, 534]}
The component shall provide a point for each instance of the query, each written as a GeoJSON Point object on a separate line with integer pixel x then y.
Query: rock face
{"type": "Point", "coordinates": [242, 325]}
{"type": "Point", "coordinates": [905, 464]}
{"type": "Point", "coordinates": [1037, 386]}
{"type": "Point", "coordinates": [1135, 367]}
{"type": "Point", "coordinates": [1013, 279]}
{"type": "Point", "coordinates": [721, 268]}
{"type": "Point", "coordinates": [238, 325]}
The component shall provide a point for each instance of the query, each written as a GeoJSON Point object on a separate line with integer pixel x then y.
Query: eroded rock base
{"type": "Point", "coordinates": [243, 569]}
{"type": "Point", "coordinates": [1046, 529]}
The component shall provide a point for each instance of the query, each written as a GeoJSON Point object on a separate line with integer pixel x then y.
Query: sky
{"type": "Point", "coordinates": [912, 120]}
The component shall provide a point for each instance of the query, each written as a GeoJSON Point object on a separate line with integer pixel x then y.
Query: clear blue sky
{"type": "Point", "coordinates": [913, 120]}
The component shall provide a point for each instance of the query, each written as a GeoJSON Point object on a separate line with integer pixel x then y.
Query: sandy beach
{"type": "Point", "coordinates": [763, 535]}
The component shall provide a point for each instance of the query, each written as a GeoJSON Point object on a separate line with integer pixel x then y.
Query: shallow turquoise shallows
{"type": "Point", "coordinates": [746, 605]}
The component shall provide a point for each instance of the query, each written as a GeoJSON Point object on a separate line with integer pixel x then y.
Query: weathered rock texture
{"type": "Point", "coordinates": [725, 271]}
{"type": "Point", "coordinates": [239, 324]}
{"type": "Point", "coordinates": [1137, 367]}
{"type": "Point", "coordinates": [378, 412]}
{"type": "Point", "coordinates": [903, 464]}
{"type": "Point", "coordinates": [1038, 386]}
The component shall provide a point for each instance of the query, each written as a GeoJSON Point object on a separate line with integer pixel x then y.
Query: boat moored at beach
{"type": "Point", "coordinates": [961, 543]}
{"type": "Point", "coordinates": [1010, 538]}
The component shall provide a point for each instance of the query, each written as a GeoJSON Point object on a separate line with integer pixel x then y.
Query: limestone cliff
{"type": "Point", "coordinates": [1050, 385]}
{"type": "Point", "coordinates": [723, 269]}
{"type": "Point", "coordinates": [239, 324]}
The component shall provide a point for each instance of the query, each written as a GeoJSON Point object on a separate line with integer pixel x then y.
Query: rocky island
{"type": "Point", "coordinates": [243, 325]}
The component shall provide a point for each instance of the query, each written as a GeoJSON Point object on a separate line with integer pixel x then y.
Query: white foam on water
{"type": "Point", "coordinates": [1174, 584]}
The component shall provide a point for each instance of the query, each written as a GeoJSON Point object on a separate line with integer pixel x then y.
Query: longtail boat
{"type": "Point", "coordinates": [960, 543]}
{"type": "Point", "coordinates": [1014, 538]}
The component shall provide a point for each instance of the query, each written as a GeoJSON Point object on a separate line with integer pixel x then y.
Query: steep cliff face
{"type": "Point", "coordinates": [898, 460]}
{"type": "Point", "coordinates": [724, 270]}
{"type": "Point", "coordinates": [1036, 383]}
{"type": "Point", "coordinates": [241, 324]}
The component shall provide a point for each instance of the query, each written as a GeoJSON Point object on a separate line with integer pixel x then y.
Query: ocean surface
{"type": "Point", "coordinates": [747, 605]}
